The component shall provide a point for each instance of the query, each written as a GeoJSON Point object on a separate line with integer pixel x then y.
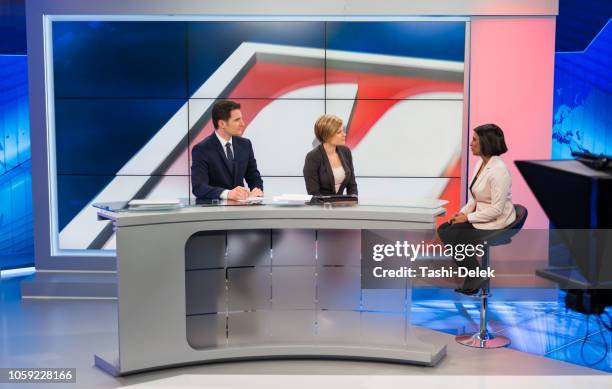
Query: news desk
{"type": "Point", "coordinates": [215, 283]}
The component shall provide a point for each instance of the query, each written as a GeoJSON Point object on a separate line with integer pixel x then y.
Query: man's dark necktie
{"type": "Point", "coordinates": [230, 154]}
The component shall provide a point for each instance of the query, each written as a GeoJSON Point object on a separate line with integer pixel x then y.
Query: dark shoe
{"type": "Point", "coordinates": [466, 291]}
{"type": "Point", "coordinates": [475, 284]}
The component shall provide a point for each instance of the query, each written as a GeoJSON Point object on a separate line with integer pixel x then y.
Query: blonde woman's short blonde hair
{"type": "Point", "coordinates": [326, 126]}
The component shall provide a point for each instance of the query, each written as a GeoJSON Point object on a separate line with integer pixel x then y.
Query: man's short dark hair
{"type": "Point", "coordinates": [491, 139]}
{"type": "Point", "coordinates": [222, 110]}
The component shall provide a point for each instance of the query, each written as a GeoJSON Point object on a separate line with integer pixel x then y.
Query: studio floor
{"type": "Point", "coordinates": [550, 347]}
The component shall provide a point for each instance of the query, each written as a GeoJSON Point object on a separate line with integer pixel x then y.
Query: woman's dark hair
{"type": "Point", "coordinates": [491, 139]}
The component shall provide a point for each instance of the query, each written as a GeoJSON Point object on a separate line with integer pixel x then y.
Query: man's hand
{"type": "Point", "coordinates": [256, 192]}
{"type": "Point", "coordinates": [238, 193]}
{"type": "Point", "coordinates": [458, 218]}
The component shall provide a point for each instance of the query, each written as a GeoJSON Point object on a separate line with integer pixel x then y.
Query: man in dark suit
{"type": "Point", "coordinates": [224, 160]}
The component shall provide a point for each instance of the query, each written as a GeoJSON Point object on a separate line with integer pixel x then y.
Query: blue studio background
{"type": "Point", "coordinates": [581, 119]}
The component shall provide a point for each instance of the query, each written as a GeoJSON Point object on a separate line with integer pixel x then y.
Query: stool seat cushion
{"type": "Point", "coordinates": [504, 236]}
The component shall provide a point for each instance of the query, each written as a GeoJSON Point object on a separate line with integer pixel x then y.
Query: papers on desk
{"type": "Point", "coordinates": [292, 198]}
{"type": "Point", "coordinates": [154, 204]}
{"type": "Point", "coordinates": [251, 200]}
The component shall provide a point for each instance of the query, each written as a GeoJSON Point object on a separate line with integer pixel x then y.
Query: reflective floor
{"type": "Point", "coordinates": [537, 327]}
{"type": "Point", "coordinates": [60, 333]}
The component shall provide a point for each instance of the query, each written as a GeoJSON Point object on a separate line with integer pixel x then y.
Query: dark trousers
{"type": "Point", "coordinates": [464, 233]}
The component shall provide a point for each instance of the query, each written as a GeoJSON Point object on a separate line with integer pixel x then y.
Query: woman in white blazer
{"type": "Point", "coordinates": [489, 205]}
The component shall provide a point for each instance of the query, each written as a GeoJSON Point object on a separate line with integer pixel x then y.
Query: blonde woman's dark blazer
{"type": "Point", "coordinates": [319, 176]}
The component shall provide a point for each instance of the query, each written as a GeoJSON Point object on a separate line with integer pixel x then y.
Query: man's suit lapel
{"type": "Point", "coordinates": [223, 157]}
{"type": "Point", "coordinates": [238, 152]}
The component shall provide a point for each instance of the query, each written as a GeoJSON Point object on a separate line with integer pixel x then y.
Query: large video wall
{"type": "Point", "coordinates": [131, 98]}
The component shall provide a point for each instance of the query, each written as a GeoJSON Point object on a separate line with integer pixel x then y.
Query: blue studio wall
{"type": "Point", "coordinates": [16, 225]}
{"type": "Point", "coordinates": [582, 120]}
{"type": "Point", "coordinates": [16, 239]}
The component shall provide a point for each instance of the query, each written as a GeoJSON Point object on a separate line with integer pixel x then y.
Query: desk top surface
{"type": "Point", "coordinates": [417, 210]}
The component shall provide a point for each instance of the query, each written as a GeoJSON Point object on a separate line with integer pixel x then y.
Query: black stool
{"type": "Point", "coordinates": [482, 338]}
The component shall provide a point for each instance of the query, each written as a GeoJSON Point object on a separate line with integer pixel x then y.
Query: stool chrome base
{"type": "Point", "coordinates": [478, 341]}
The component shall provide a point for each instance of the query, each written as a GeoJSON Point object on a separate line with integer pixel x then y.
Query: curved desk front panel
{"type": "Point", "coordinates": [211, 285]}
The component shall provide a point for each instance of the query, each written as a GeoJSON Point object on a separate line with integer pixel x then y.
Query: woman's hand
{"type": "Point", "coordinates": [458, 218]}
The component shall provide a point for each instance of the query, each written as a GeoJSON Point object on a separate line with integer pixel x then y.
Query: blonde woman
{"type": "Point", "coordinates": [328, 168]}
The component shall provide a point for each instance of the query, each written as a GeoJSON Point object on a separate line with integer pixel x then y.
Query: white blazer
{"type": "Point", "coordinates": [489, 205]}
